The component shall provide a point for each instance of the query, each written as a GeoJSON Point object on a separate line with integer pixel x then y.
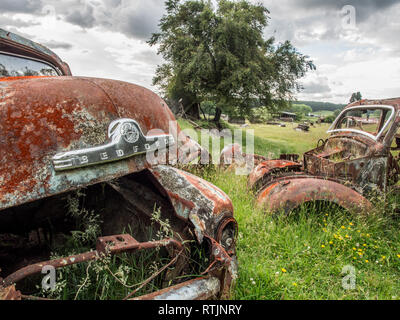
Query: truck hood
{"type": "Point", "coordinates": [42, 118]}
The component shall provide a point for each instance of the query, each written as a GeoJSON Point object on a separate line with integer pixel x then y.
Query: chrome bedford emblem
{"type": "Point", "coordinates": [126, 139]}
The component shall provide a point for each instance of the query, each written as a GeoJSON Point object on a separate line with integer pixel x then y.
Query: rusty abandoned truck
{"type": "Point", "coordinates": [354, 163]}
{"type": "Point", "coordinates": [60, 135]}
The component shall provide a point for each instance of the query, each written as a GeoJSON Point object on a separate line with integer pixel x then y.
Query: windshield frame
{"type": "Point", "coordinates": [363, 107]}
{"type": "Point", "coordinates": [57, 70]}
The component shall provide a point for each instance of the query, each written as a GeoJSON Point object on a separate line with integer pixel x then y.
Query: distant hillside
{"type": "Point", "coordinates": [319, 106]}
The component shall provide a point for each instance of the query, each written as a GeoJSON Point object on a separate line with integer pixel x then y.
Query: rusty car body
{"type": "Point", "coordinates": [61, 135]}
{"type": "Point", "coordinates": [349, 168]}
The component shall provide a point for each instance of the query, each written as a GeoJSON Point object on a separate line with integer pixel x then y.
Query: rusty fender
{"type": "Point", "coordinates": [196, 200]}
{"type": "Point", "coordinates": [289, 193]}
{"type": "Point", "coordinates": [262, 173]}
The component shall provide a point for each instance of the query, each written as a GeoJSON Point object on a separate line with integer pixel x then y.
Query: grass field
{"type": "Point", "coordinates": [289, 140]}
{"type": "Point", "coordinates": [323, 113]}
{"type": "Point", "coordinates": [302, 256]}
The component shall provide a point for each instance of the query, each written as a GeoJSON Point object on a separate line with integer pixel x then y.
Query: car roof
{"type": "Point", "coordinates": [16, 38]}
{"type": "Point", "coordinates": [21, 45]}
{"type": "Point", "coordinates": [395, 102]}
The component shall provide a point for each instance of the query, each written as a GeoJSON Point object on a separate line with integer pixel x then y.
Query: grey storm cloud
{"type": "Point", "coordinates": [10, 22]}
{"type": "Point", "coordinates": [139, 19]}
{"type": "Point", "coordinates": [53, 44]}
{"type": "Point", "coordinates": [319, 86]}
{"type": "Point", "coordinates": [83, 17]}
{"type": "Point", "coordinates": [306, 21]}
{"type": "Point", "coordinates": [364, 8]}
{"type": "Point", "coordinates": [136, 19]}
{"type": "Point", "coordinates": [20, 6]}
{"type": "Point", "coordinates": [370, 4]}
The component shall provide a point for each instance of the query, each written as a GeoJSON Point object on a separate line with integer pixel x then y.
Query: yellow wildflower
{"type": "Point", "coordinates": [284, 270]}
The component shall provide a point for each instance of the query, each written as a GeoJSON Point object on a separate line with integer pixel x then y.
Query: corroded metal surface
{"type": "Point", "coordinates": [42, 117]}
{"type": "Point", "coordinates": [230, 153]}
{"type": "Point", "coordinates": [126, 139]}
{"type": "Point", "coordinates": [199, 288]}
{"type": "Point", "coordinates": [194, 199]}
{"type": "Point", "coordinates": [110, 244]}
{"type": "Point", "coordinates": [265, 170]}
{"type": "Point", "coordinates": [344, 169]}
{"type": "Point", "coordinates": [290, 192]}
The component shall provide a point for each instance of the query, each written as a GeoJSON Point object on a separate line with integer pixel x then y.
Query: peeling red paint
{"type": "Point", "coordinates": [220, 199]}
{"type": "Point", "coordinates": [266, 168]}
{"type": "Point", "coordinates": [22, 78]}
{"type": "Point", "coordinates": [289, 193]}
{"type": "Point", "coordinates": [44, 116]}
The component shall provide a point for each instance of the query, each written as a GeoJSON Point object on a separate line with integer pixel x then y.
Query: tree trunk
{"type": "Point", "coordinates": [193, 111]}
{"type": "Point", "coordinates": [217, 117]}
{"type": "Point", "coordinates": [202, 111]}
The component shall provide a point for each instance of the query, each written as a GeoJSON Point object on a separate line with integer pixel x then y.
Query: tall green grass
{"type": "Point", "coordinates": [302, 256]}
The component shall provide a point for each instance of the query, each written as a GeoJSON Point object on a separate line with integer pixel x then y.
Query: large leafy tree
{"type": "Point", "coordinates": [356, 96]}
{"type": "Point", "coordinates": [220, 54]}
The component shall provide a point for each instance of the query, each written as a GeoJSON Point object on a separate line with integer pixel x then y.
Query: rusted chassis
{"type": "Point", "coordinates": [346, 169]}
{"type": "Point", "coordinates": [41, 117]}
{"type": "Point", "coordinates": [199, 209]}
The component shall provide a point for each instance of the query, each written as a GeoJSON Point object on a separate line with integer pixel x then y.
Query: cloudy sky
{"type": "Point", "coordinates": [107, 38]}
